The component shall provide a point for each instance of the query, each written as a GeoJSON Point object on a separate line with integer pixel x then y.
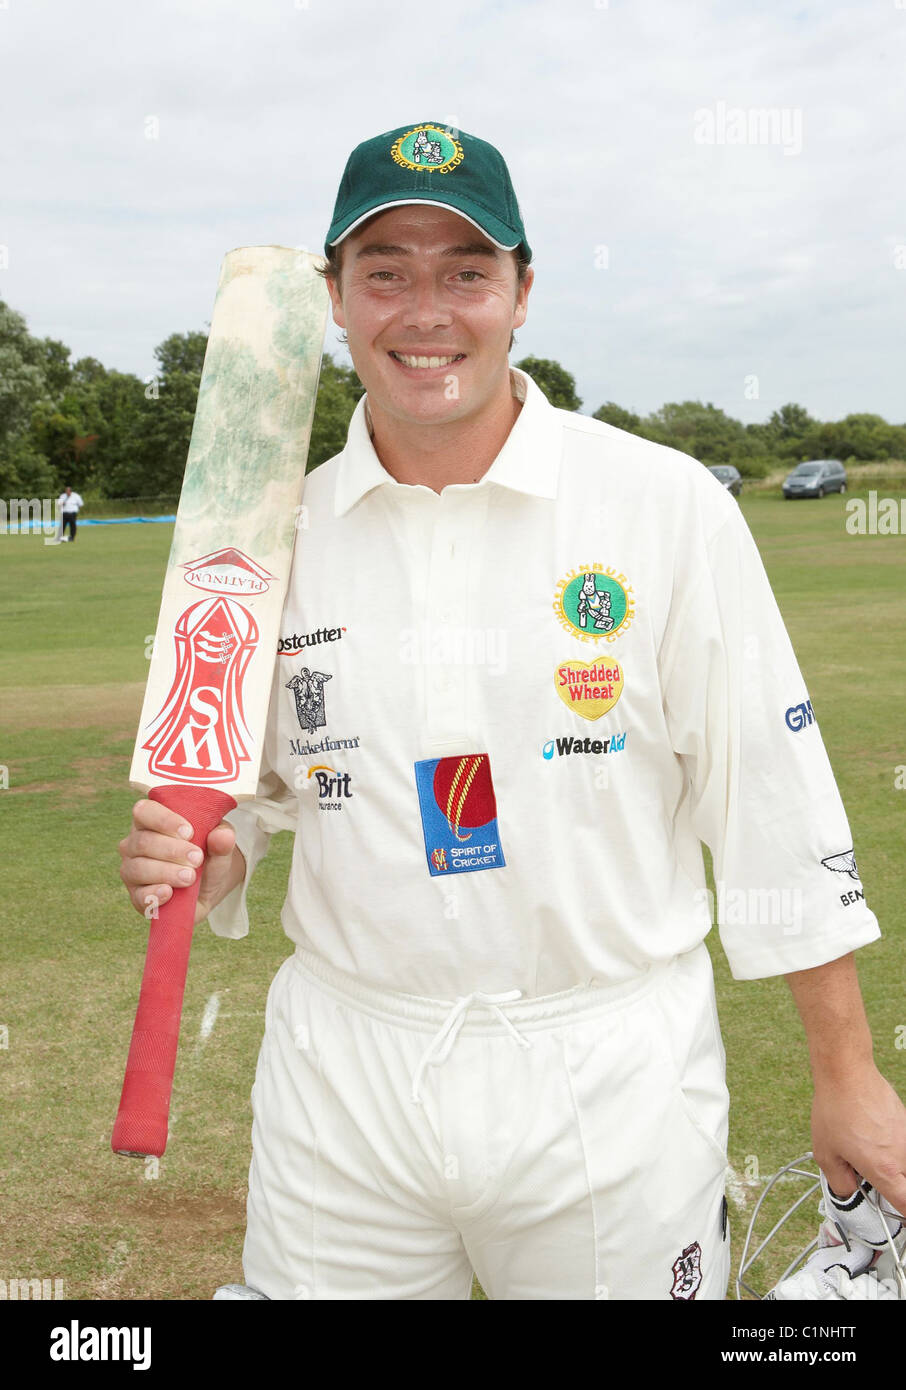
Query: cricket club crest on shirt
{"type": "Point", "coordinates": [308, 692]}
{"type": "Point", "coordinates": [428, 147]}
{"type": "Point", "coordinates": [201, 735]}
{"type": "Point", "coordinates": [592, 603]}
{"type": "Point", "coordinates": [687, 1272]}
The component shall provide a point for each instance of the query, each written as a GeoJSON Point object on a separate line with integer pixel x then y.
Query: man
{"type": "Point", "coordinates": [69, 503]}
{"type": "Point", "coordinates": [530, 662]}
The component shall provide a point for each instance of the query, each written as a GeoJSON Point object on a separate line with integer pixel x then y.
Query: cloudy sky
{"type": "Point", "coordinates": [713, 190]}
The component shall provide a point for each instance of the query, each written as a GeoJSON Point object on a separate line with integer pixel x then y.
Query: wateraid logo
{"type": "Point", "coordinates": [564, 746]}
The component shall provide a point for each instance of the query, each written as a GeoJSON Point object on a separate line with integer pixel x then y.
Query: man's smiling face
{"type": "Point", "coordinates": [428, 304]}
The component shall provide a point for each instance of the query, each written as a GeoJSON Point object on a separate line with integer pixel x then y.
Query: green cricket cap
{"type": "Point", "coordinates": [430, 164]}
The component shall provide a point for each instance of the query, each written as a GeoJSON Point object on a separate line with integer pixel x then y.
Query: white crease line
{"type": "Point", "coordinates": [736, 1188]}
{"type": "Point", "coordinates": [208, 1019]}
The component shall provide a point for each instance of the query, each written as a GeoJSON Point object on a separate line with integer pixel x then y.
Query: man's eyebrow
{"type": "Point", "coordinates": [376, 249]}
{"type": "Point", "coordinates": [475, 248]}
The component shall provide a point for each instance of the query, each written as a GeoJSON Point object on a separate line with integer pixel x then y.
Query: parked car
{"type": "Point", "coordinates": [814, 478]}
{"type": "Point", "coordinates": [727, 474]}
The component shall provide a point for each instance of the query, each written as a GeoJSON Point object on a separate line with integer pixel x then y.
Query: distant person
{"type": "Point", "coordinates": [69, 503]}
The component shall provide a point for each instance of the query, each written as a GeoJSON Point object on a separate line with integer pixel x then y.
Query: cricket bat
{"type": "Point", "coordinates": [198, 749]}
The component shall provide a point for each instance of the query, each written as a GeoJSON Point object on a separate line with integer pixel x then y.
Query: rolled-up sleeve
{"type": "Point", "coordinates": [274, 807]}
{"type": "Point", "coordinates": [762, 793]}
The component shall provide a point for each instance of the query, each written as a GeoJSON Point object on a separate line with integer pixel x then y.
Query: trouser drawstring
{"type": "Point", "coordinates": [441, 1045]}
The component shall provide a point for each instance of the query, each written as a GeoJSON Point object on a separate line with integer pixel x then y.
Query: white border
{"type": "Point", "coordinates": [433, 202]}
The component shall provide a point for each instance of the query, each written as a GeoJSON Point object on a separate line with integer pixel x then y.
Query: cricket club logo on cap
{"type": "Point", "coordinates": [428, 147]}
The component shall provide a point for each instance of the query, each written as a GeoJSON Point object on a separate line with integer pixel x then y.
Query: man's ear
{"type": "Point", "coordinates": [333, 289]}
{"type": "Point", "coordinates": [522, 294]}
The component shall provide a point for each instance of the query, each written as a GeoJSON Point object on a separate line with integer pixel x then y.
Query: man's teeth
{"type": "Point", "coordinates": [409, 361]}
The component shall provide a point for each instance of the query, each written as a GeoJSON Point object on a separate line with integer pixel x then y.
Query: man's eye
{"type": "Point", "coordinates": [383, 275]}
{"type": "Point", "coordinates": [474, 274]}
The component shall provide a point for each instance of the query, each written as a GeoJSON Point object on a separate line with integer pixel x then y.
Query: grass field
{"type": "Point", "coordinates": [74, 625]}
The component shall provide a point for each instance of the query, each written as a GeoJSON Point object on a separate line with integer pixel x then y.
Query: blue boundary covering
{"type": "Point", "coordinates": [98, 521]}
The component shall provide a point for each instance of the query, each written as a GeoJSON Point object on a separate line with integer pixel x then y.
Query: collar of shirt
{"type": "Point", "coordinates": [529, 461]}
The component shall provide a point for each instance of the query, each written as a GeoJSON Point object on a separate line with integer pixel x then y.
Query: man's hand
{"type": "Point", "coordinates": [157, 857]}
{"type": "Point", "coordinates": [858, 1120]}
{"type": "Point", "coordinates": [859, 1127]}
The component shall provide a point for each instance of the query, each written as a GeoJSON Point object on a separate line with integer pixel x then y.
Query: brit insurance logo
{"type": "Point", "coordinates": [333, 787]}
{"type": "Point", "coordinates": [428, 147]}
{"type": "Point", "coordinates": [592, 603]}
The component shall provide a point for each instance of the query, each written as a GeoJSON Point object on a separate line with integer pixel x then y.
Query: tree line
{"type": "Point", "coordinates": [111, 434]}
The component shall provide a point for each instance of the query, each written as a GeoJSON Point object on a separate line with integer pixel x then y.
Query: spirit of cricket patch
{"type": "Point", "coordinates": [459, 814]}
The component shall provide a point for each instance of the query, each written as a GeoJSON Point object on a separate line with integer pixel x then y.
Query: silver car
{"type": "Point", "coordinates": [815, 478]}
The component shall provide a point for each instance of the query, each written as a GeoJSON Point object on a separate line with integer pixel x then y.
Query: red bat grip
{"type": "Point", "coordinates": [141, 1122]}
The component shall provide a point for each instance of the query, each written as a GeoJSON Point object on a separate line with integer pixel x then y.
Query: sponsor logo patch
{"type": "Point", "coordinates": [687, 1272]}
{"type": "Point", "coordinates": [297, 642]}
{"type": "Point", "coordinates": [564, 747]}
{"type": "Point", "coordinates": [800, 716]}
{"type": "Point", "coordinates": [592, 603]}
{"type": "Point", "coordinates": [308, 693]}
{"type": "Point", "coordinates": [844, 863]}
{"type": "Point", "coordinates": [589, 691]}
{"type": "Point", "coordinates": [333, 787]}
{"type": "Point", "coordinates": [459, 814]}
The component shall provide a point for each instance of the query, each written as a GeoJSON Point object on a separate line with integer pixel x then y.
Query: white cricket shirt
{"type": "Point", "coordinates": [505, 716]}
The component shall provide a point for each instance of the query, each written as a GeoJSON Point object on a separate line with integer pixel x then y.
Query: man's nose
{"type": "Point", "coordinates": [428, 306]}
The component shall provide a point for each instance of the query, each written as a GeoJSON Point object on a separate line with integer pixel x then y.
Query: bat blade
{"type": "Point", "coordinates": [200, 736]}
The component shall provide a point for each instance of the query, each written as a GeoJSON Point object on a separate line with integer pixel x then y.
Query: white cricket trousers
{"type": "Point", "coordinates": [571, 1146]}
